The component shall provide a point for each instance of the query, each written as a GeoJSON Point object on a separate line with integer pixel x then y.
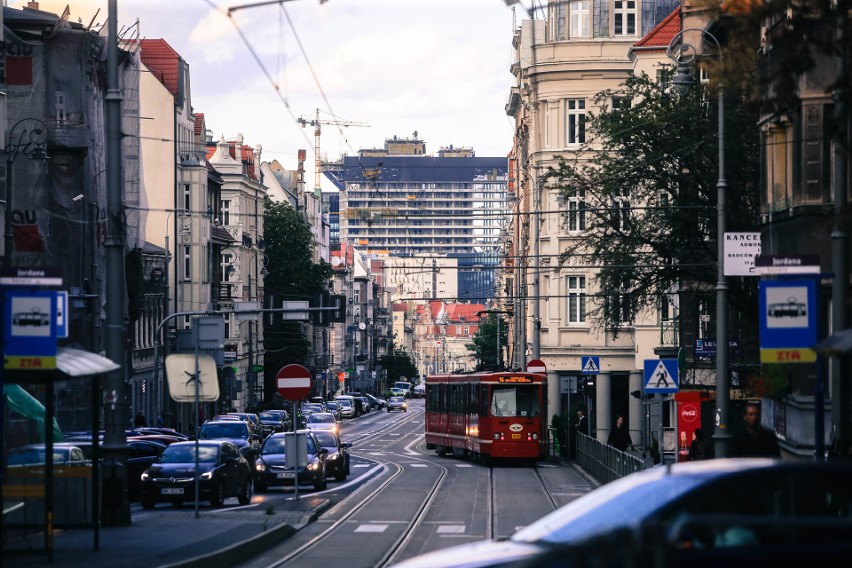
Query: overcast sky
{"type": "Point", "coordinates": [438, 67]}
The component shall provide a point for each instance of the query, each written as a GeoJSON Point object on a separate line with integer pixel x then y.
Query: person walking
{"type": "Point", "coordinates": [582, 422]}
{"type": "Point", "coordinates": [755, 441]}
{"type": "Point", "coordinates": [140, 421]}
{"type": "Point", "coordinates": [619, 437]}
{"type": "Point", "coordinates": [701, 447]}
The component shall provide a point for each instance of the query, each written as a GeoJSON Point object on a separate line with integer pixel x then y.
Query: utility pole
{"type": "Point", "coordinates": [115, 412]}
{"type": "Point", "coordinates": [536, 319]}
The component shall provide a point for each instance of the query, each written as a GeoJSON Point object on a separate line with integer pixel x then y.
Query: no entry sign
{"type": "Point", "coordinates": [293, 382]}
{"type": "Point", "coordinates": [536, 366]}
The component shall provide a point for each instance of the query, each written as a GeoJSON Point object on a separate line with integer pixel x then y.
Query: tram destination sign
{"type": "Point", "coordinates": [514, 379]}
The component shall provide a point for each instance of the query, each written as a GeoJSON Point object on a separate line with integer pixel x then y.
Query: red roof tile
{"type": "Point", "coordinates": [199, 124]}
{"type": "Point", "coordinates": [162, 60]}
{"type": "Point", "coordinates": [662, 33]}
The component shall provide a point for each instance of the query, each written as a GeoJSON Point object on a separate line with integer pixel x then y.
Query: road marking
{"type": "Point", "coordinates": [419, 465]}
{"type": "Point", "coordinates": [360, 465]}
{"type": "Point", "coordinates": [371, 528]}
{"type": "Point", "coordinates": [464, 465]}
{"type": "Point", "coordinates": [452, 529]}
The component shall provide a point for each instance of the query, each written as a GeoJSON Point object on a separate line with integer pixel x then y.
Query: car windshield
{"type": "Point", "coordinates": [277, 445]}
{"type": "Point", "coordinates": [186, 454]}
{"type": "Point", "coordinates": [345, 402]}
{"type": "Point", "coordinates": [269, 417]}
{"type": "Point", "coordinates": [621, 503]}
{"type": "Point", "coordinates": [515, 401]}
{"type": "Point", "coordinates": [323, 418]}
{"type": "Point", "coordinates": [397, 399]}
{"type": "Point", "coordinates": [326, 438]}
{"type": "Point", "coordinates": [216, 431]}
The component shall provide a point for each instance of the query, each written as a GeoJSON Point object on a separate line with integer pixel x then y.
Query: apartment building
{"type": "Point", "coordinates": [579, 49]}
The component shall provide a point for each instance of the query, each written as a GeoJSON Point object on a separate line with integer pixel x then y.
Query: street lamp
{"type": "Point", "coordinates": [28, 137]}
{"type": "Point", "coordinates": [684, 54]}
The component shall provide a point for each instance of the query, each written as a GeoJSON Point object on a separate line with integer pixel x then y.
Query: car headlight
{"type": "Point", "coordinates": [260, 466]}
{"type": "Point", "coordinates": [313, 466]}
{"type": "Point", "coordinates": [207, 475]}
{"type": "Point", "coordinates": [145, 476]}
{"type": "Point", "coordinates": [332, 457]}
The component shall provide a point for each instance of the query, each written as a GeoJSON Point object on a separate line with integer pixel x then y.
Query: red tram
{"type": "Point", "coordinates": [487, 415]}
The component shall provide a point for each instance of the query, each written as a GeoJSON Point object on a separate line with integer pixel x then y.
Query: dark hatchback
{"type": "Point", "coordinates": [271, 467]}
{"type": "Point", "coordinates": [223, 473]}
{"type": "Point", "coordinates": [272, 421]}
{"type": "Point", "coordinates": [337, 459]}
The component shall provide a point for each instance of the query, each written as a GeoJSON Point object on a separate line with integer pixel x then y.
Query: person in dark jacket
{"type": "Point", "coordinates": [582, 422]}
{"type": "Point", "coordinates": [701, 447]}
{"type": "Point", "coordinates": [619, 437]}
{"type": "Point", "coordinates": [755, 441]}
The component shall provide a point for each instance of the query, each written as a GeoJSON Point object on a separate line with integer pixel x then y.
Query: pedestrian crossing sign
{"type": "Point", "coordinates": [661, 376]}
{"type": "Point", "coordinates": [590, 365]}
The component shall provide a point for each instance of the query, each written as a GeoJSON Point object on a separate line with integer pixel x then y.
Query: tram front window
{"type": "Point", "coordinates": [514, 401]}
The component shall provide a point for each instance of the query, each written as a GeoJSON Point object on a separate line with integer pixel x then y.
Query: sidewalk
{"type": "Point", "coordinates": [172, 538]}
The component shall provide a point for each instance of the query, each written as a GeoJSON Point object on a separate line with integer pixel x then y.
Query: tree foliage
{"type": "Point", "coordinates": [292, 275]}
{"type": "Point", "coordinates": [398, 364]}
{"type": "Point", "coordinates": [484, 343]}
{"type": "Point", "coordinates": [659, 155]}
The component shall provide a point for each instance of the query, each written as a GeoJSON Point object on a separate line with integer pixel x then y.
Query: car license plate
{"type": "Point", "coordinates": [172, 491]}
{"type": "Point", "coordinates": [516, 436]}
{"type": "Point", "coordinates": [286, 476]}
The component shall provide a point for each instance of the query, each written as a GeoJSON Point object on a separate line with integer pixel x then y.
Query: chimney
{"type": "Point", "coordinates": [32, 5]}
{"type": "Point", "coordinates": [238, 148]}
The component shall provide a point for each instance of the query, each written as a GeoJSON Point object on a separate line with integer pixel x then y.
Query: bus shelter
{"type": "Point", "coordinates": [51, 467]}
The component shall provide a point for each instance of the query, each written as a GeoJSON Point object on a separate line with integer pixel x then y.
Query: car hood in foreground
{"type": "Point", "coordinates": [489, 553]}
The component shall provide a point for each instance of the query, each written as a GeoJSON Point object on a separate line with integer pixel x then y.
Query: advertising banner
{"type": "Point", "coordinates": [688, 420]}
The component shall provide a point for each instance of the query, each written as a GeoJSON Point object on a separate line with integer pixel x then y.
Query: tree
{"type": "Point", "coordinates": [398, 364]}
{"type": "Point", "coordinates": [644, 204]}
{"type": "Point", "coordinates": [292, 275]}
{"type": "Point", "coordinates": [484, 344]}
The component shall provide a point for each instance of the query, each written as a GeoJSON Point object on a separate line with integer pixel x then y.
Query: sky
{"type": "Point", "coordinates": [437, 67]}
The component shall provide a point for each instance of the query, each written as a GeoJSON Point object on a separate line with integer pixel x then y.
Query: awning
{"type": "Point", "coordinates": [838, 344]}
{"type": "Point", "coordinates": [79, 363]}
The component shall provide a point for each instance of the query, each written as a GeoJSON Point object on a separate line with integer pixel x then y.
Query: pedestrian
{"type": "Point", "coordinates": [140, 421]}
{"type": "Point", "coordinates": [619, 437]}
{"type": "Point", "coordinates": [582, 422]}
{"type": "Point", "coordinates": [160, 422]}
{"type": "Point", "coordinates": [755, 441]}
{"type": "Point", "coordinates": [701, 447]}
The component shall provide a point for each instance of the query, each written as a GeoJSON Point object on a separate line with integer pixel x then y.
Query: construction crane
{"type": "Point", "coordinates": [316, 123]}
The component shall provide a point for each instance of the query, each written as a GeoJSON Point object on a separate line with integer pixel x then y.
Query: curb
{"type": "Point", "coordinates": [239, 552]}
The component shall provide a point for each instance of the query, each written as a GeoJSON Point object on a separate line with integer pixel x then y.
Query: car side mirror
{"type": "Point", "coordinates": [323, 450]}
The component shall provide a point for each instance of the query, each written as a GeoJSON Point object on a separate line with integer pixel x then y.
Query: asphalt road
{"type": "Point", "coordinates": [402, 500]}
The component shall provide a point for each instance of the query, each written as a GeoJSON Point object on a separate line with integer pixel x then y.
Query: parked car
{"type": "Point", "coordinates": [347, 406]}
{"type": "Point", "coordinates": [375, 402]}
{"type": "Point", "coordinates": [271, 467]}
{"type": "Point", "coordinates": [35, 454]}
{"type": "Point", "coordinates": [322, 421]}
{"type": "Point", "coordinates": [223, 473]}
{"type": "Point", "coordinates": [142, 454]}
{"type": "Point", "coordinates": [715, 512]}
{"type": "Point", "coordinates": [397, 403]}
{"type": "Point", "coordinates": [337, 459]}
{"type": "Point", "coordinates": [364, 403]}
{"type": "Point", "coordinates": [238, 432]}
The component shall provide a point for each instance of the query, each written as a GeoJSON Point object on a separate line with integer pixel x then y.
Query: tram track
{"type": "Point", "coordinates": [365, 500]}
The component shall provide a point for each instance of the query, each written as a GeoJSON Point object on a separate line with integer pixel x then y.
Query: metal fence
{"type": "Point", "coordinates": [604, 462]}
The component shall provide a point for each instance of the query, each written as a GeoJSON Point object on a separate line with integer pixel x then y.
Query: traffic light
{"type": "Point", "coordinates": [338, 301]}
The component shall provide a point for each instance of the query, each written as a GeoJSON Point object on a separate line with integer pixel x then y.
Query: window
{"type": "Point", "coordinates": [621, 210]}
{"type": "Point", "coordinates": [187, 262]}
{"type": "Point", "coordinates": [227, 318]}
{"type": "Point", "coordinates": [579, 18]}
{"type": "Point", "coordinates": [624, 17]}
{"type": "Point", "coordinates": [620, 103]}
{"type": "Point", "coordinates": [225, 263]}
{"type": "Point", "coordinates": [557, 21]}
{"type": "Point", "coordinates": [576, 121]}
{"type": "Point", "coordinates": [226, 211]}
{"type": "Point", "coordinates": [61, 114]}
{"type": "Point", "coordinates": [576, 299]}
{"type": "Point", "coordinates": [187, 201]}
{"type": "Point", "coordinates": [577, 210]}
{"type": "Point", "coordinates": [622, 303]}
